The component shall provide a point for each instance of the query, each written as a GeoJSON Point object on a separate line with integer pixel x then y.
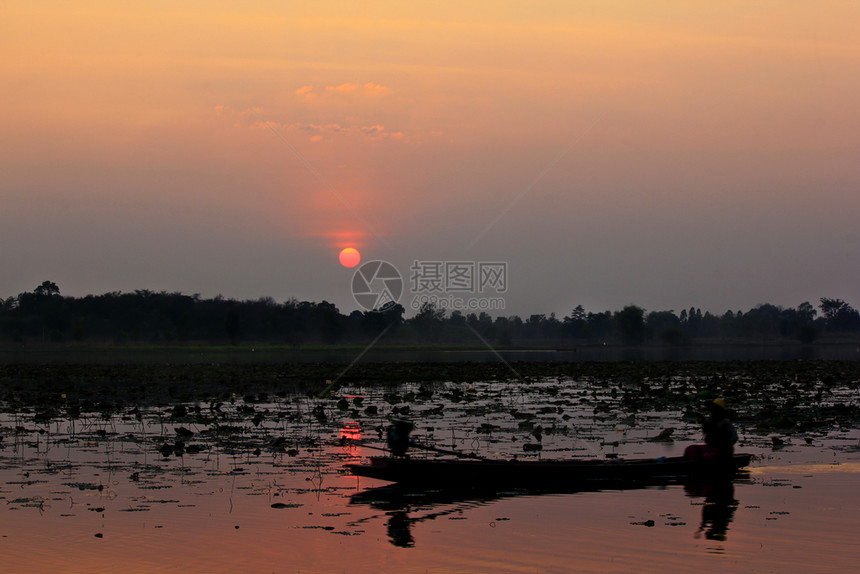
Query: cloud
{"type": "Point", "coordinates": [256, 118]}
{"type": "Point", "coordinates": [251, 117]}
{"type": "Point", "coordinates": [379, 132]}
{"type": "Point", "coordinates": [368, 89]}
{"type": "Point", "coordinates": [227, 110]}
{"type": "Point", "coordinates": [372, 89]}
{"type": "Point", "coordinates": [372, 130]}
{"type": "Point", "coordinates": [266, 124]}
{"type": "Point", "coordinates": [343, 88]}
{"type": "Point", "coordinates": [326, 131]}
{"type": "Point", "coordinates": [319, 128]}
{"type": "Point", "coordinates": [306, 93]}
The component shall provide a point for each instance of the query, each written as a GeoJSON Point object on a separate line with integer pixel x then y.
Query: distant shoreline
{"type": "Point", "coordinates": [527, 351]}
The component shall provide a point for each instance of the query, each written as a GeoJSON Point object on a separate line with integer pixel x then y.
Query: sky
{"type": "Point", "coordinates": [666, 154]}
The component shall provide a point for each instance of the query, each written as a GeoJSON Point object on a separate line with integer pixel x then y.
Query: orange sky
{"type": "Point", "coordinates": [216, 146]}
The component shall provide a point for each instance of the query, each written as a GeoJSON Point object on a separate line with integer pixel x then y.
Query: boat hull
{"type": "Point", "coordinates": [459, 472]}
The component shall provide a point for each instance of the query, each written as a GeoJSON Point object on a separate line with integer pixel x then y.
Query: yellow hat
{"type": "Point", "coordinates": [720, 403]}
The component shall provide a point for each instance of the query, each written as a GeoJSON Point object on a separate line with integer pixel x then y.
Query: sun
{"type": "Point", "coordinates": [349, 257]}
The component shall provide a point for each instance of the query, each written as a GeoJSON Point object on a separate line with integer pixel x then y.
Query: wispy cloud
{"type": "Point", "coordinates": [370, 132]}
{"type": "Point", "coordinates": [320, 128]}
{"type": "Point", "coordinates": [307, 93]}
{"type": "Point", "coordinates": [343, 88]}
{"type": "Point", "coordinates": [379, 132]}
{"type": "Point", "coordinates": [316, 132]}
{"type": "Point", "coordinates": [368, 89]}
{"type": "Point", "coordinates": [248, 117]}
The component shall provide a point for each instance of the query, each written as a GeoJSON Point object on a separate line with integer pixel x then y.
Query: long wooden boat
{"type": "Point", "coordinates": [541, 473]}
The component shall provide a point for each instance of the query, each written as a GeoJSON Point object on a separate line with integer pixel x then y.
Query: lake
{"type": "Point", "coordinates": [256, 483]}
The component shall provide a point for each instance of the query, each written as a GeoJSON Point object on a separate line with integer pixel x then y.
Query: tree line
{"type": "Point", "coordinates": [44, 315]}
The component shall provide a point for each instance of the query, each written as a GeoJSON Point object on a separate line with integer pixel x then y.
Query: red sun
{"type": "Point", "coordinates": [349, 257]}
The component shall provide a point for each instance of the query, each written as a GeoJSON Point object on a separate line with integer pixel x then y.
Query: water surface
{"type": "Point", "coordinates": [260, 487]}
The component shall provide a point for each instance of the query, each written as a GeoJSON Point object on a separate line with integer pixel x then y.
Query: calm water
{"type": "Point", "coordinates": [23, 355]}
{"type": "Point", "coordinates": [260, 487]}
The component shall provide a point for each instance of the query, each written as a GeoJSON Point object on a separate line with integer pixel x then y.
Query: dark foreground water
{"type": "Point", "coordinates": [260, 487]}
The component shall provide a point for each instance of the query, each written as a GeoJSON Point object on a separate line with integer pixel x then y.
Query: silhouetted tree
{"type": "Point", "coordinates": [375, 322]}
{"type": "Point", "coordinates": [598, 325]}
{"type": "Point", "coordinates": [665, 325]}
{"type": "Point", "coordinates": [47, 289]}
{"type": "Point", "coordinates": [575, 322]}
{"type": "Point", "coordinates": [144, 315]}
{"type": "Point", "coordinates": [232, 325]}
{"type": "Point", "coordinates": [762, 321]}
{"type": "Point", "coordinates": [839, 315]}
{"type": "Point", "coordinates": [630, 322]}
{"type": "Point", "coordinates": [428, 322]}
{"type": "Point", "coordinates": [457, 318]}
{"type": "Point", "coordinates": [806, 312]}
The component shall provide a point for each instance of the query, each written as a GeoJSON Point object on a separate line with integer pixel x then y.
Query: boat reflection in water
{"type": "Point", "coordinates": [405, 506]}
{"type": "Point", "coordinates": [718, 510]}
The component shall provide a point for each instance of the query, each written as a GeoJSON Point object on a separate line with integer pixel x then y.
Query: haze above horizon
{"type": "Point", "coordinates": [666, 155]}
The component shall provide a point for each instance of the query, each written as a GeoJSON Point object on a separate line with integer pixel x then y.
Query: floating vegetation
{"type": "Point", "coordinates": [84, 486]}
{"type": "Point", "coordinates": [279, 505]}
{"type": "Point", "coordinates": [273, 437]}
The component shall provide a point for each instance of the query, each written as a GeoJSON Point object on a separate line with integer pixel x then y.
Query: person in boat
{"type": "Point", "coordinates": [398, 436]}
{"type": "Point", "coordinates": [720, 435]}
